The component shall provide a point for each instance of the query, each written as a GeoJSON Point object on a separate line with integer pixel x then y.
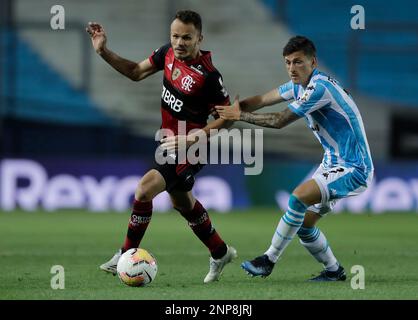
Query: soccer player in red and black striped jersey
{"type": "Point", "coordinates": [191, 88]}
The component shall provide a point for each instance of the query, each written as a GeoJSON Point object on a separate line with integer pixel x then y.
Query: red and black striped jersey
{"type": "Point", "coordinates": [190, 89]}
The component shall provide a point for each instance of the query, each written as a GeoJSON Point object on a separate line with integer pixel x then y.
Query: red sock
{"type": "Point", "coordinates": [138, 223]}
{"type": "Point", "coordinates": [201, 225]}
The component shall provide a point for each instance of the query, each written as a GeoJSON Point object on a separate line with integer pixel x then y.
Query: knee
{"type": "Point", "coordinates": [143, 196]}
{"type": "Point", "coordinates": [297, 204]}
{"type": "Point", "coordinates": [143, 193]}
{"type": "Point", "coordinates": [185, 208]}
{"type": "Point", "coordinates": [300, 195]}
{"type": "Point", "coordinates": [309, 193]}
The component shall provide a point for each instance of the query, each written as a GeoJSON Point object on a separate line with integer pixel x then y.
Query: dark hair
{"type": "Point", "coordinates": [299, 43]}
{"type": "Point", "coordinates": [188, 16]}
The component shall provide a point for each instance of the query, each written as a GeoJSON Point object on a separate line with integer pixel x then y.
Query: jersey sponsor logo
{"type": "Point", "coordinates": [174, 103]}
{"type": "Point", "coordinates": [197, 69]}
{"type": "Point", "coordinates": [176, 73]}
{"type": "Point", "coordinates": [187, 82]}
{"type": "Point", "coordinates": [308, 92]}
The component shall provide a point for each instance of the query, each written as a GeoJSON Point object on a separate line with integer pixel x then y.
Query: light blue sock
{"type": "Point", "coordinates": [289, 224]}
{"type": "Point", "coordinates": [317, 245]}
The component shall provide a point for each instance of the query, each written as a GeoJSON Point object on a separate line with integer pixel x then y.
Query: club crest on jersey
{"type": "Point", "coordinates": [187, 82]}
{"type": "Point", "coordinates": [176, 73]}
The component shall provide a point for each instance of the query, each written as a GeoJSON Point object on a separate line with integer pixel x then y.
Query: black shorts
{"type": "Point", "coordinates": [179, 177]}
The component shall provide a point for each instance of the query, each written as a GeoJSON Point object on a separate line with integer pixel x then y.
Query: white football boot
{"type": "Point", "coordinates": [111, 265]}
{"type": "Point", "coordinates": [217, 265]}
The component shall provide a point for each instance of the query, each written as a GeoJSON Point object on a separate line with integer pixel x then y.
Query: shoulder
{"type": "Point", "coordinates": [319, 81]}
{"type": "Point", "coordinates": [286, 87]}
{"type": "Point", "coordinates": [160, 53]}
{"type": "Point", "coordinates": [212, 74]}
{"type": "Point", "coordinates": [206, 62]}
{"type": "Point", "coordinates": [163, 49]}
{"type": "Point", "coordinates": [324, 80]}
{"type": "Point", "coordinates": [158, 57]}
{"type": "Point", "coordinates": [215, 81]}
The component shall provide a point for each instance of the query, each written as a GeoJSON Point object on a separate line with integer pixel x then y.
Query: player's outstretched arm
{"type": "Point", "coordinates": [132, 70]}
{"type": "Point", "coordinates": [270, 120]}
{"type": "Point", "coordinates": [173, 142]}
{"type": "Point", "coordinates": [259, 101]}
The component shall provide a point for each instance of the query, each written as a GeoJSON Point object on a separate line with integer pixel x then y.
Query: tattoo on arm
{"type": "Point", "coordinates": [270, 120]}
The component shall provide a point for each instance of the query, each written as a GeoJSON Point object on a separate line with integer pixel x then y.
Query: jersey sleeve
{"type": "Point", "coordinates": [286, 91]}
{"type": "Point", "coordinates": [157, 58]}
{"type": "Point", "coordinates": [314, 98]}
{"type": "Point", "coordinates": [215, 90]}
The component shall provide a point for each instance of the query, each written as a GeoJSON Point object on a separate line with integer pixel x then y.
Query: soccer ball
{"type": "Point", "coordinates": [137, 267]}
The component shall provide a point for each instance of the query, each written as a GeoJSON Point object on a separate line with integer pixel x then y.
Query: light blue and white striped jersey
{"type": "Point", "coordinates": [334, 119]}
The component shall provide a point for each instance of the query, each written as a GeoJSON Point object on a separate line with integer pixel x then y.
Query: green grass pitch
{"type": "Point", "coordinates": [31, 243]}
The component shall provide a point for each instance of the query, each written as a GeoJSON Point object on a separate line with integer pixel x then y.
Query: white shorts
{"type": "Point", "coordinates": [337, 183]}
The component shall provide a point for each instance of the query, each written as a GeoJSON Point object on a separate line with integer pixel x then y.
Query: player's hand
{"type": "Point", "coordinates": [98, 36]}
{"type": "Point", "coordinates": [232, 112]}
{"type": "Point", "coordinates": [172, 143]}
{"type": "Point", "coordinates": [214, 113]}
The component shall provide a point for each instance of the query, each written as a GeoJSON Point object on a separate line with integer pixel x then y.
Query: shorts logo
{"type": "Point", "coordinates": [176, 73]}
{"type": "Point", "coordinates": [326, 174]}
{"type": "Point", "coordinates": [187, 82]}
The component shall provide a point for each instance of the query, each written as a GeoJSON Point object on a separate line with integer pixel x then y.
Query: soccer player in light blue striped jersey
{"type": "Point", "coordinates": [346, 169]}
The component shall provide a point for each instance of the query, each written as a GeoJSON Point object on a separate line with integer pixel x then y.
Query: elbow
{"type": "Point", "coordinates": [278, 125]}
{"type": "Point", "coordinates": [135, 77]}
{"type": "Point", "coordinates": [134, 74]}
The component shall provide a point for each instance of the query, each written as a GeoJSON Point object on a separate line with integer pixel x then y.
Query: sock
{"type": "Point", "coordinates": [289, 224]}
{"type": "Point", "coordinates": [201, 225]}
{"type": "Point", "coordinates": [138, 223]}
{"type": "Point", "coordinates": [317, 245]}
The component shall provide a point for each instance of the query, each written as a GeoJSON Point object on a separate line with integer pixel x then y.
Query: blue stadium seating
{"type": "Point", "coordinates": [40, 92]}
{"type": "Point", "coordinates": [387, 59]}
